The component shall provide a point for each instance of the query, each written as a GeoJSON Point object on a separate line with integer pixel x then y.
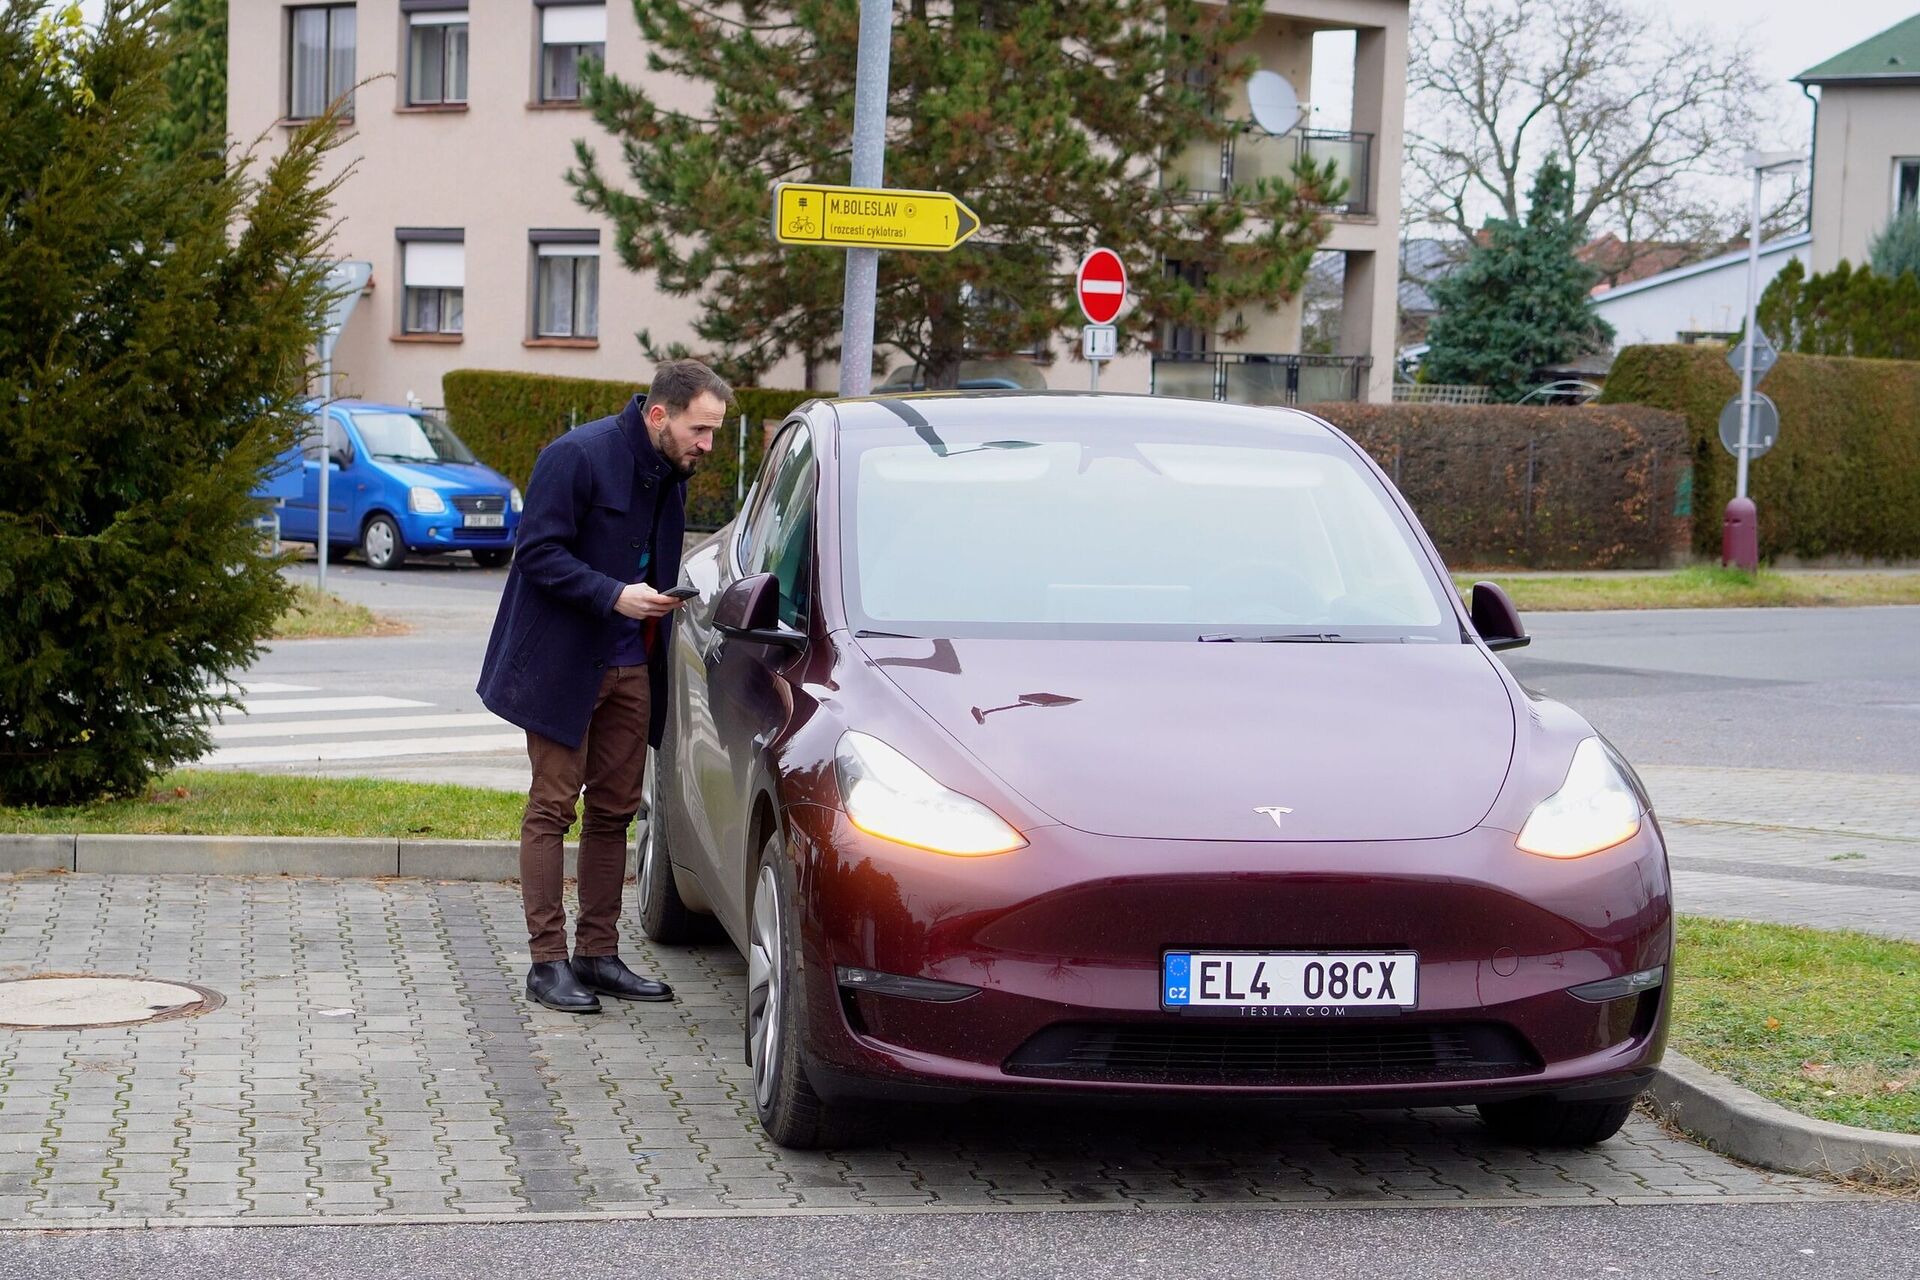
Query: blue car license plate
{"type": "Point", "coordinates": [1289, 983]}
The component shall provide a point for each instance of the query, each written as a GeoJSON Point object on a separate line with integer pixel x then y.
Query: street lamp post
{"type": "Point", "coordinates": [1740, 541]}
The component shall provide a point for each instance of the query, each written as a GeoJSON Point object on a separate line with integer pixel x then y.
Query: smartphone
{"type": "Point", "coordinates": [681, 593]}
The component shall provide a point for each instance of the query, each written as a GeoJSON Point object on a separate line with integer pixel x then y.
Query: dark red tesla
{"type": "Point", "coordinates": [1086, 745]}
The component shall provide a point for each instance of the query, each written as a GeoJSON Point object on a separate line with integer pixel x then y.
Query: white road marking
{"type": "Point", "coordinates": [267, 686]}
{"type": "Point", "coordinates": [307, 706]}
{"type": "Point", "coordinates": [297, 753]}
{"type": "Point", "coordinates": [355, 724]}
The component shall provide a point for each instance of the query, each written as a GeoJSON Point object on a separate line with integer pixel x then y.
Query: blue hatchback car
{"type": "Point", "coordinates": [401, 483]}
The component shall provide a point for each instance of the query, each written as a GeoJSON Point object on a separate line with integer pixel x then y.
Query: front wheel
{"type": "Point", "coordinates": [789, 1110]}
{"type": "Point", "coordinates": [1543, 1122]}
{"type": "Point", "coordinates": [664, 916]}
{"type": "Point", "coordinates": [382, 544]}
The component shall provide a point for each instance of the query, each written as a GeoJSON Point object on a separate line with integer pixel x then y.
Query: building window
{"type": "Point", "coordinates": [436, 57]}
{"type": "Point", "coordinates": [568, 33]}
{"type": "Point", "coordinates": [1906, 184]}
{"type": "Point", "coordinates": [566, 286]}
{"type": "Point", "coordinates": [1179, 341]}
{"type": "Point", "coordinates": [320, 59]}
{"type": "Point", "coordinates": [433, 277]}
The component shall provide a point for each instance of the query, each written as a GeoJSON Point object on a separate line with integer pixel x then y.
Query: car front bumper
{"type": "Point", "coordinates": [1062, 943]}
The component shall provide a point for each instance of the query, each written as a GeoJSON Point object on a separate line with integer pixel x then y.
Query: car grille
{"type": "Point", "coordinates": [478, 503]}
{"type": "Point", "coordinates": [1353, 1053]}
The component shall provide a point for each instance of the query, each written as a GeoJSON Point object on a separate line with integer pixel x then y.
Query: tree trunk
{"type": "Point", "coordinates": [946, 343]}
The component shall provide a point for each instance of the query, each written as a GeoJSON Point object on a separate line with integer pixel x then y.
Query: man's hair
{"type": "Point", "coordinates": [677, 382]}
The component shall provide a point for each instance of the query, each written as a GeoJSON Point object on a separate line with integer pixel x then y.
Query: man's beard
{"type": "Point", "coordinates": [685, 463]}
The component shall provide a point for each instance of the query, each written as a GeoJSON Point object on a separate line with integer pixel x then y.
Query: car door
{"type": "Point", "coordinates": [298, 519]}
{"type": "Point", "coordinates": [746, 692]}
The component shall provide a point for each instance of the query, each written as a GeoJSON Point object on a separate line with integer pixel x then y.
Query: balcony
{"type": "Point", "coordinates": [1249, 154]}
{"type": "Point", "coordinates": [1254, 378]}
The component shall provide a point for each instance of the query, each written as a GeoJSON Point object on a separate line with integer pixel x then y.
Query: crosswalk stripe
{"type": "Point", "coordinates": [296, 753]}
{"type": "Point", "coordinates": [251, 687]}
{"type": "Point", "coordinates": [354, 724]}
{"type": "Point", "coordinates": [307, 706]}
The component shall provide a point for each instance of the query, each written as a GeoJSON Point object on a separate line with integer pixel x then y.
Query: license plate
{"type": "Point", "coordinates": [486, 522]}
{"type": "Point", "coordinates": [1289, 983]}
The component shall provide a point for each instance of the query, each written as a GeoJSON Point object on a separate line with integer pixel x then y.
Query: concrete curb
{"type": "Point", "coordinates": [1738, 1122]}
{"type": "Point", "coordinates": [266, 856]}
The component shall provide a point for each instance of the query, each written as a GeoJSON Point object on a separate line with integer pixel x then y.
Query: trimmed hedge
{"type": "Point", "coordinates": [1525, 485]}
{"type": "Point", "coordinates": [1844, 477]}
{"type": "Point", "coordinates": [508, 418]}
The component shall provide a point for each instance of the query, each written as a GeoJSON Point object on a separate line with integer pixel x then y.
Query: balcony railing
{"type": "Point", "coordinates": [1252, 378]}
{"type": "Point", "coordinates": [1250, 154]}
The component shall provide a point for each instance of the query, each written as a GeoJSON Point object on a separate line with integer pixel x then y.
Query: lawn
{"type": "Point", "coordinates": [1827, 1024]}
{"type": "Point", "coordinates": [209, 802]}
{"type": "Point", "coordinates": [314, 614]}
{"type": "Point", "coordinates": [1699, 587]}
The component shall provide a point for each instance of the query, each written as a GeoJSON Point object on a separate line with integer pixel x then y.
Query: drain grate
{"type": "Point", "coordinates": [69, 1001]}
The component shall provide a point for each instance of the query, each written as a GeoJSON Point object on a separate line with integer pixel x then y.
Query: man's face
{"type": "Point", "coordinates": [686, 437]}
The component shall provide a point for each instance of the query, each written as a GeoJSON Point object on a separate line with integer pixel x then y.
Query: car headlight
{"type": "Point", "coordinates": [514, 500]}
{"type": "Point", "coordinates": [424, 501]}
{"type": "Point", "coordinates": [1594, 809]}
{"type": "Point", "coordinates": [889, 796]}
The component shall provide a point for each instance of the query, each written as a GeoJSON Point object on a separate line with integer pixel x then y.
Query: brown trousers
{"type": "Point", "coordinates": [609, 764]}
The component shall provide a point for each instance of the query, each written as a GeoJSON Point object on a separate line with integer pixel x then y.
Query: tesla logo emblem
{"type": "Point", "coordinates": [1273, 811]}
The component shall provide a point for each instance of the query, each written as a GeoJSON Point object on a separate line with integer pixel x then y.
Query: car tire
{"type": "Point", "coordinates": [664, 916]}
{"type": "Point", "coordinates": [792, 1114]}
{"type": "Point", "coordinates": [1543, 1122]}
{"type": "Point", "coordinates": [492, 559]}
{"type": "Point", "coordinates": [382, 545]}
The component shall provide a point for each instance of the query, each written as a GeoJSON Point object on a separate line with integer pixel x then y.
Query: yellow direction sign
{"type": "Point", "coordinates": [870, 218]}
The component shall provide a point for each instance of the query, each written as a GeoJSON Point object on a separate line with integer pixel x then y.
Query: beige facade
{"type": "Point", "coordinates": [1866, 140]}
{"type": "Point", "coordinates": [466, 201]}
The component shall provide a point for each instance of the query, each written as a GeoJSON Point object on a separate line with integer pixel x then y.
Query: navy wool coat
{"type": "Point", "coordinates": [590, 508]}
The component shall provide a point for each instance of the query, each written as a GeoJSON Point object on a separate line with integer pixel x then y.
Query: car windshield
{"type": "Point", "coordinates": [410, 437]}
{"type": "Point", "coordinates": [1190, 532]}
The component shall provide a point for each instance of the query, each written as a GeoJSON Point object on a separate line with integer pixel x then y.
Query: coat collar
{"type": "Point", "coordinates": [633, 428]}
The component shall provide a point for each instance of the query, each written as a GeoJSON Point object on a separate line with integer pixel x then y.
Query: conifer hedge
{"type": "Point", "coordinates": [1540, 487]}
{"type": "Point", "coordinates": [508, 418]}
{"type": "Point", "coordinates": [1844, 478]}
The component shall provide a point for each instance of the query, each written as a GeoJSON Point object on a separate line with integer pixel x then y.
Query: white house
{"type": "Point", "coordinates": [1702, 301]}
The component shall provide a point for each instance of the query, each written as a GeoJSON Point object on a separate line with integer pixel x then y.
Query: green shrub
{"type": "Point", "coordinates": [508, 418]}
{"type": "Point", "coordinates": [1843, 312]}
{"type": "Point", "coordinates": [1499, 484]}
{"type": "Point", "coordinates": [1844, 477]}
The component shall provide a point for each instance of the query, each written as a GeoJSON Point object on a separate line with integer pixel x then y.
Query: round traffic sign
{"type": "Point", "coordinates": [1765, 428]}
{"type": "Point", "coordinates": [1102, 283]}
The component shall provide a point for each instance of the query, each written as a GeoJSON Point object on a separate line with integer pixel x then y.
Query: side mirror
{"type": "Point", "coordinates": [750, 610]}
{"type": "Point", "coordinates": [1495, 618]}
{"type": "Point", "coordinates": [342, 458]}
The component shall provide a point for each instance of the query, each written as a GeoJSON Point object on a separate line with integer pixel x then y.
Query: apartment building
{"type": "Point", "coordinates": [464, 123]}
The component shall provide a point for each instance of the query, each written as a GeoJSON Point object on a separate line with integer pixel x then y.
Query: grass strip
{"type": "Point", "coordinates": [1824, 1023]}
{"type": "Point", "coordinates": [217, 803]}
{"type": "Point", "coordinates": [1699, 587]}
{"type": "Point", "coordinates": [315, 614]}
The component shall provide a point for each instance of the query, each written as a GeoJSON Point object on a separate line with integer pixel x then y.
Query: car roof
{"type": "Point", "coordinates": [966, 408]}
{"type": "Point", "coordinates": [374, 405]}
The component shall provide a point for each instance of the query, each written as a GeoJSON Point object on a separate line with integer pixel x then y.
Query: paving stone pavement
{"type": "Point", "coordinates": [1831, 850]}
{"type": "Point", "coordinates": [375, 1058]}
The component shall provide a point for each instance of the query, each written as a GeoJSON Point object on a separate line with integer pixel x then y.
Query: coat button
{"type": "Point", "coordinates": [599, 666]}
{"type": "Point", "coordinates": [636, 544]}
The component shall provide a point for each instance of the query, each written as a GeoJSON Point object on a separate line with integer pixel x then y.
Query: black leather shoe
{"type": "Point", "coordinates": [610, 976]}
{"type": "Point", "coordinates": [552, 983]}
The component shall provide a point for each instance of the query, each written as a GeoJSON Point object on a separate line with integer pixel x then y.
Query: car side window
{"type": "Point", "coordinates": [337, 442]}
{"type": "Point", "coordinates": [783, 533]}
{"type": "Point", "coordinates": [752, 526]}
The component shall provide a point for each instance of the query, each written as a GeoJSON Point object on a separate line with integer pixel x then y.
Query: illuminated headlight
{"type": "Point", "coordinates": [514, 499]}
{"type": "Point", "coordinates": [1594, 809]}
{"type": "Point", "coordinates": [889, 796]}
{"type": "Point", "coordinates": [423, 501]}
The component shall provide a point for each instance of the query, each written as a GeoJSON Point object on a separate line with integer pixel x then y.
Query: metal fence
{"type": "Point", "coordinates": [1438, 393]}
{"type": "Point", "coordinates": [1253, 378]}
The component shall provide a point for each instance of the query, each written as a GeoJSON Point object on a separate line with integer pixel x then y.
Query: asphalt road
{"type": "Point", "coordinates": [1859, 1240]}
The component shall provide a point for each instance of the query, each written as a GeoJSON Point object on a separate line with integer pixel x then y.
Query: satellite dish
{"type": "Point", "coordinates": [1276, 107]}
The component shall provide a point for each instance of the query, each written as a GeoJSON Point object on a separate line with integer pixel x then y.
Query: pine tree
{"type": "Point", "coordinates": [155, 321]}
{"type": "Point", "coordinates": [1847, 311]}
{"type": "Point", "coordinates": [1519, 301]}
{"type": "Point", "coordinates": [1050, 120]}
{"type": "Point", "coordinates": [196, 78]}
{"type": "Point", "coordinates": [1896, 250]}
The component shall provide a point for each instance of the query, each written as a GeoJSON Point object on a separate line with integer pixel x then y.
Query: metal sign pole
{"type": "Point", "coordinates": [869, 167]}
{"type": "Point", "coordinates": [1096, 374]}
{"type": "Point", "coordinates": [1753, 340]}
{"type": "Point", "coordinates": [326, 454]}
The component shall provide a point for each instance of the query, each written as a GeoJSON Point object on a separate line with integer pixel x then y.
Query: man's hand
{"type": "Point", "coordinates": [642, 601]}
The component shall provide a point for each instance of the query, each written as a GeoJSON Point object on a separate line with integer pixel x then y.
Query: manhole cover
{"type": "Point", "coordinates": [97, 1000]}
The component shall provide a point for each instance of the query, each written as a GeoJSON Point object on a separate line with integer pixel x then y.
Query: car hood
{"type": "Point", "coordinates": [1287, 742]}
{"type": "Point", "coordinates": [448, 477]}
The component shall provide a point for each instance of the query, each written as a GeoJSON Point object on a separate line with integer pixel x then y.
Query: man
{"type": "Point", "coordinates": [578, 660]}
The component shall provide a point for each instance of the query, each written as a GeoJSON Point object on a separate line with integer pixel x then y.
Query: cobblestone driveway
{"type": "Point", "coordinates": [375, 1057]}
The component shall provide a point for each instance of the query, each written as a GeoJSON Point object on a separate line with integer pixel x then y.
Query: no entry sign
{"type": "Point", "coordinates": [1102, 286]}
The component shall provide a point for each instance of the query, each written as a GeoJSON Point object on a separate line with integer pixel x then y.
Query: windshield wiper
{"type": "Point", "coordinates": [406, 457]}
{"type": "Point", "coordinates": [1294, 637]}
